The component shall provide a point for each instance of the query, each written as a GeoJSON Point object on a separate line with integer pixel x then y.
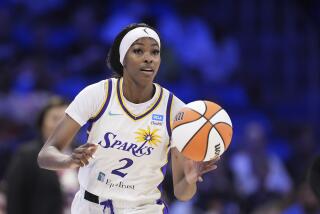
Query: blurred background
{"type": "Point", "coordinates": [259, 59]}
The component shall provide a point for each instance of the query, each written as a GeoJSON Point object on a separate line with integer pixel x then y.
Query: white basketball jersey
{"type": "Point", "coordinates": [132, 152]}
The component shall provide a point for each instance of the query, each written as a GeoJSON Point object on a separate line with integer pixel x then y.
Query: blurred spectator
{"type": "Point", "coordinates": [225, 57]}
{"type": "Point", "coordinates": [216, 192]}
{"type": "Point", "coordinates": [305, 202]}
{"type": "Point", "coordinates": [305, 150]}
{"type": "Point", "coordinates": [259, 175]}
{"type": "Point", "coordinates": [272, 207]}
{"type": "Point", "coordinates": [3, 201]}
{"type": "Point", "coordinates": [31, 189]}
{"type": "Point", "coordinates": [314, 177]}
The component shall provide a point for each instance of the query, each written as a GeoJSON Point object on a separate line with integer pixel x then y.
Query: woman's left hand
{"type": "Point", "coordinates": [194, 170]}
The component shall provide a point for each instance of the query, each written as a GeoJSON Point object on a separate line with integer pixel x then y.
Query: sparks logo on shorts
{"type": "Point", "coordinates": [157, 117]}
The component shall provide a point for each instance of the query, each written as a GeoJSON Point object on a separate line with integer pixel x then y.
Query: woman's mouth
{"type": "Point", "coordinates": [146, 70]}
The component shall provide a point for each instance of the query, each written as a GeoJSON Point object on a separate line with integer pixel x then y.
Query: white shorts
{"type": "Point", "coordinates": [80, 205]}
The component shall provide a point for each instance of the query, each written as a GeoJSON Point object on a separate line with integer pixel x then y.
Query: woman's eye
{"type": "Point", "coordinates": [137, 51]}
{"type": "Point", "coordinates": [155, 52]}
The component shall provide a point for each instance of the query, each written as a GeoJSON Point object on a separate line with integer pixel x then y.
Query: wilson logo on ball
{"type": "Point", "coordinates": [179, 116]}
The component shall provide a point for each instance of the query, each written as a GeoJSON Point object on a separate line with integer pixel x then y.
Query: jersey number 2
{"type": "Point", "coordinates": [129, 162]}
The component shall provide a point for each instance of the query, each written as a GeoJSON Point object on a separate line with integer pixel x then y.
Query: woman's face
{"type": "Point", "coordinates": [142, 61]}
{"type": "Point", "coordinates": [51, 119]}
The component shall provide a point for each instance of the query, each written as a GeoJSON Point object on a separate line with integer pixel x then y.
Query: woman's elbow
{"type": "Point", "coordinates": [40, 159]}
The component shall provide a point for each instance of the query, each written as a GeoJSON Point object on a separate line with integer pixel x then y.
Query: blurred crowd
{"type": "Point", "coordinates": [259, 59]}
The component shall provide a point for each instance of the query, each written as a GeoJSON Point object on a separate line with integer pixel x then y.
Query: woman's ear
{"type": "Point", "coordinates": [124, 63]}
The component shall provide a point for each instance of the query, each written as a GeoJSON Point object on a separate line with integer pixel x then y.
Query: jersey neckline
{"type": "Point", "coordinates": [126, 110]}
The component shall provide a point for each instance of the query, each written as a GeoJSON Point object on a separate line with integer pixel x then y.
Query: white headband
{"type": "Point", "coordinates": [132, 36]}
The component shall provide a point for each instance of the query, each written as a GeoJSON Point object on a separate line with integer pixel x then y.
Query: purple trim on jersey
{"type": "Point", "coordinates": [160, 201]}
{"type": "Point", "coordinates": [127, 111]}
{"type": "Point", "coordinates": [89, 129]}
{"type": "Point", "coordinates": [168, 113]}
{"type": "Point", "coordinates": [163, 170]}
{"type": "Point", "coordinates": [165, 209]}
{"type": "Point", "coordinates": [105, 105]}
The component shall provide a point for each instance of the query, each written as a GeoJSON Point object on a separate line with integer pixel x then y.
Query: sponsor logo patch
{"type": "Point", "coordinates": [113, 114]}
{"type": "Point", "coordinates": [120, 184]}
{"type": "Point", "coordinates": [101, 176]}
{"type": "Point", "coordinates": [157, 117]}
{"type": "Point", "coordinates": [156, 123]}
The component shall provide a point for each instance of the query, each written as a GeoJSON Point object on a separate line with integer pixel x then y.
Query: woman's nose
{"type": "Point", "coordinates": [148, 58]}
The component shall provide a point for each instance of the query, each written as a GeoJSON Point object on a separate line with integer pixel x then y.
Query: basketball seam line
{"type": "Point", "coordinates": [189, 121]}
{"type": "Point", "coordinates": [194, 135]}
{"type": "Point", "coordinates": [223, 123]}
{"type": "Point", "coordinates": [214, 115]}
{"type": "Point", "coordinates": [208, 120]}
{"type": "Point", "coordinates": [208, 142]}
{"type": "Point", "coordinates": [206, 108]}
{"type": "Point", "coordinates": [224, 144]}
{"type": "Point", "coordinates": [213, 126]}
{"type": "Point", "coordinates": [195, 111]}
{"type": "Point", "coordinates": [202, 115]}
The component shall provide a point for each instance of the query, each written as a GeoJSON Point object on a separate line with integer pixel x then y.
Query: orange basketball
{"type": "Point", "coordinates": [201, 130]}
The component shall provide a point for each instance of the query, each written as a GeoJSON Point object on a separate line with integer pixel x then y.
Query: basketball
{"type": "Point", "coordinates": [202, 130]}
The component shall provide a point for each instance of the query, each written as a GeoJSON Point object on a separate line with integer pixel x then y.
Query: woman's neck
{"type": "Point", "coordinates": [137, 93]}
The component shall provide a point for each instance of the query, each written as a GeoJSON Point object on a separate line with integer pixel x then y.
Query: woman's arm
{"type": "Point", "coordinates": [186, 173]}
{"type": "Point", "coordinates": [183, 190]}
{"type": "Point", "coordinates": [51, 157]}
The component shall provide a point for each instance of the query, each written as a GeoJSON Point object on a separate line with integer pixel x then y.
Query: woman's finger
{"type": "Point", "coordinates": [86, 156]}
{"type": "Point", "coordinates": [88, 145]}
{"type": "Point", "coordinates": [92, 150]}
{"type": "Point", "coordinates": [88, 151]}
{"type": "Point", "coordinates": [208, 169]}
{"type": "Point", "coordinates": [76, 162]}
{"type": "Point", "coordinates": [84, 161]}
{"type": "Point", "coordinates": [214, 160]}
{"type": "Point", "coordinates": [80, 150]}
{"type": "Point", "coordinates": [81, 156]}
{"type": "Point", "coordinates": [210, 165]}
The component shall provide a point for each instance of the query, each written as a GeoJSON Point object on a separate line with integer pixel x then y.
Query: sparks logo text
{"type": "Point", "coordinates": [111, 141]}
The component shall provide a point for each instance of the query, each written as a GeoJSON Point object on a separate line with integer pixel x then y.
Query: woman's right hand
{"type": "Point", "coordinates": [81, 155]}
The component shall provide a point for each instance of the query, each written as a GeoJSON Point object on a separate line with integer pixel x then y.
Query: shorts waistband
{"type": "Point", "coordinates": [118, 203]}
{"type": "Point", "coordinates": [91, 197]}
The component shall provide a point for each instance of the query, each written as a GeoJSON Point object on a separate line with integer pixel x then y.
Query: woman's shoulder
{"type": "Point", "coordinates": [98, 87]}
{"type": "Point", "coordinates": [99, 84]}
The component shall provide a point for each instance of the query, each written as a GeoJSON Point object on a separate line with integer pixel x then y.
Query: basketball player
{"type": "Point", "coordinates": [129, 117]}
